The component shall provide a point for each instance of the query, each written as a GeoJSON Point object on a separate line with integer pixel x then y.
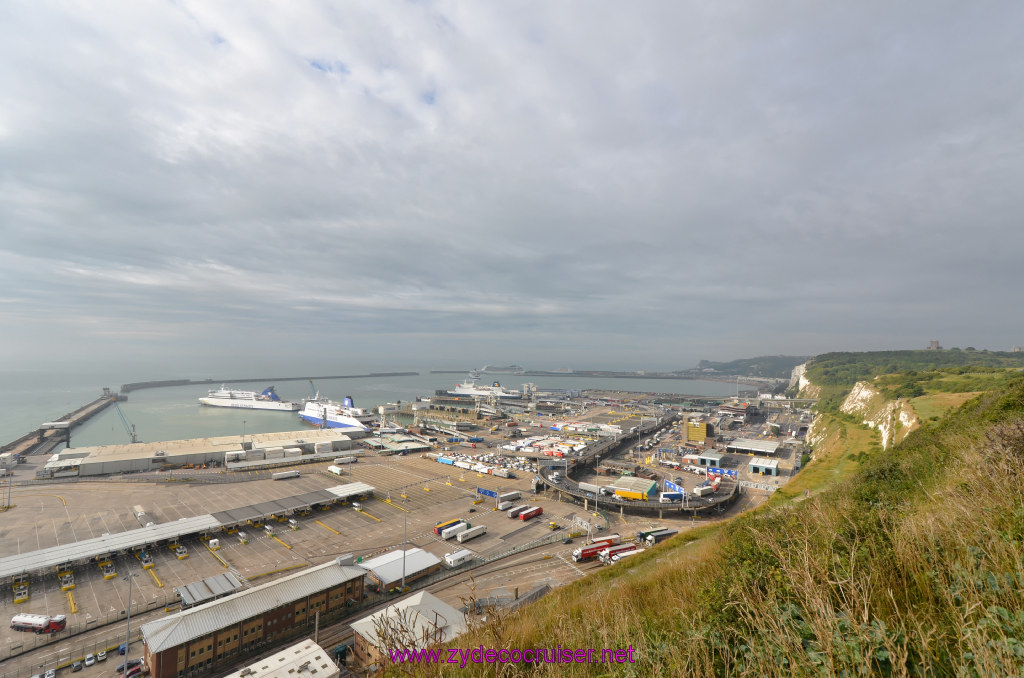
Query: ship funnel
{"type": "Point", "coordinates": [348, 401]}
{"type": "Point", "coordinates": [269, 392]}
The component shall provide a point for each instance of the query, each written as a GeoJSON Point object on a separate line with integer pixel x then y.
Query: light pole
{"type": "Point", "coordinates": [128, 625]}
{"type": "Point", "coordinates": [243, 432]}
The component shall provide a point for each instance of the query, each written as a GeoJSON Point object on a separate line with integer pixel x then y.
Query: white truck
{"type": "Point", "coordinates": [471, 533]}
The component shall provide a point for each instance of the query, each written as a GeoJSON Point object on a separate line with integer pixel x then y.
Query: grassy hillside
{"type": "Point", "coordinates": [768, 366]}
{"type": "Point", "coordinates": [910, 566]}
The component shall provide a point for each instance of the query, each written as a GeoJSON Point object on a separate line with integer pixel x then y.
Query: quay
{"type": "Point", "coordinates": [44, 438]}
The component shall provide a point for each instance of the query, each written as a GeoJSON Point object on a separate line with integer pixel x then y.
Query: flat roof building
{"type": "Point", "coordinates": [302, 659]}
{"type": "Point", "coordinates": [764, 467]}
{"type": "Point", "coordinates": [752, 446]}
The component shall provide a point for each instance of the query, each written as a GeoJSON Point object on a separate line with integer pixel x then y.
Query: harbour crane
{"type": "Point", "coordinates": [129, 428]}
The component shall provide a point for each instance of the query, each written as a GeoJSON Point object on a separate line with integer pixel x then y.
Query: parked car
{"type": "Point", "coordinates": [90, 659]}
{"type": "Point", "coordinates": [101, 656]}
{"type": "Point", "coordinates": [50, 673]}
{"type": "Point", "coordinates": [131, 663]}
{"type": "Point", "coordinates": [76, 667]}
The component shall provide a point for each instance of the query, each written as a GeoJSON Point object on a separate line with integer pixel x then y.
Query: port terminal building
{"type": "Point", "coordinates": [245, 452]}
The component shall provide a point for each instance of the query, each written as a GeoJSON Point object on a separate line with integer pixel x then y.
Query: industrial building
{"type": "Point", "coordinates": [194, 640]}
{"type": "Point", "coordinates": [710, 458]}
{"type": "Point", "coordinates": [196, 452]}
{"type": "Point", "coordinates": [418, 621]}
{"type": "Point", "coordinates": [388, 569]}
{"type": "Point", "coordinates": [698, 431]}
{"type": "Point", "coordinates": [645, 486]}
{"type": "Point", "coordinates": [751, 446]}
{"type": "Point", "coordinates": [765, 467]}
{"type": "Point", "coordinates": [304, 658]}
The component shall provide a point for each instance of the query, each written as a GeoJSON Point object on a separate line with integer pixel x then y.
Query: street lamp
{"type": "Point", "coordinates": [128, 625]}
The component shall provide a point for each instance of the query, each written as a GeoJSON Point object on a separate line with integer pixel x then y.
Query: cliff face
{"type": "Point", "coordinates": [893, 419]}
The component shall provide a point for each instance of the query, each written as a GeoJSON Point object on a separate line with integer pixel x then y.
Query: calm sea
{"type": "Point", "coordinates": [28, 399]}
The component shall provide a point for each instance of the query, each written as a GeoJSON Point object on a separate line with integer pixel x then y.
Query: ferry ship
{"type": "Point", "coordinates": [495, 390]}
{"type": "Point", "coordinates": [248, 400]}
{"type": "Point", "coordinates": [326, 413]}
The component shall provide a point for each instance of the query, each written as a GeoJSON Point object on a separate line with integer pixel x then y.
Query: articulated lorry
{"type": "Point", "coordinates": [39, 623]}
{"type": "Point", "coordinates": [591, 550]}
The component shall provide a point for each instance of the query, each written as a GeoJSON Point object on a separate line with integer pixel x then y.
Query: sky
{"type": "Point", "coordinates": [592, 185]}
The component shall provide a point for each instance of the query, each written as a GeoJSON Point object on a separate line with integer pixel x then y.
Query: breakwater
{"type": "Point", "coordinates": [138, 385]}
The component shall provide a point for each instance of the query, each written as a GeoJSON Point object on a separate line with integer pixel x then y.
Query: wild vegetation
{"type": "Point", "coordinates": [845, 369]}
{"type": "Point", "coordinates": [911, 565]}
{"type": "Point", "coordinates": [767, 366]}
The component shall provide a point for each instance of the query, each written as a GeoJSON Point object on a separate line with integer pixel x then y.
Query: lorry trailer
{"type": "Point", "coordinates": [531, 512]}
{"type": "Point", "coordinates": [39, 623]}
{"type": "Point", "coordinates": [509, 496]}
{"type": "Point", "coordinates": [284, 475]}
{"type": "Point", "coordinates": [670, 497]}
{"type": "Point", "coordinates": [449, 532]}
{"type": "Point", "coordinates": [606, 553]}
{"type": "Point", "coordinates": [471, 533]}
{"type": "Point", "coordinates": [516, 510]}
{"type": "Point", "coordinates": [659, 536]}
{"type": "Point", "coordinates": [591, 550]}
{"type": "Point", "coordinates": [438, 528]}
{"type": "Point", "coordinates": [620, 556]}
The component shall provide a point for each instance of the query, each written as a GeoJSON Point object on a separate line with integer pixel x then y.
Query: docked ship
{"type": "Point", "coordinates": [495, 390]}
{"type": "Point", "coordinates": [248, 400]}
{"type": "Point", "coordinates": [326, 413]}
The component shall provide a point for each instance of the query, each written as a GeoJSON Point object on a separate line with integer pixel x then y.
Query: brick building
{"type": "Point", "coordinates": [196, 640]}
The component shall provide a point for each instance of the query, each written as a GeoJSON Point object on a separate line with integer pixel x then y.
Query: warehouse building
{"type": "Point", "coordinates": [194, 452]}
{"type": "Point", "coordinates": [387, 570]}
{"type": "Point", "coordinates": [698, 430]}
{"type": "Point", "coordinates": [764, 467]}
{"type": "Point", "coordinates": [415, 622]}
{"type": "Point", "coordinates": [751, 446]}
{"type": "Point", "coordinates": [710, 458]}
{"type": "Point", "coordinates": [630, 484]}
{"type": "Point", "coordinates": [193, 641]}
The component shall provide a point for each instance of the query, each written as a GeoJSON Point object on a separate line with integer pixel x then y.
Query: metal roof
{"type": "Point", "coordinates": [217, 586]}
{"type": "Point", "coordinates": [350, 490]}
{"type": "Point", "coordinates": [757, 446]}
{"type": "Point", "coordinates": [243, 514]}
{"type": "Point", "coordinates": [82, 551]}
{"type": "Point", "coordinates": [432, 620]}
{"type": "Point", "coordinates": [387, 569]}
{"type": "Point", "coordinates": [764, 463]}
{"type": "Point", "coordinates": [163, 634]}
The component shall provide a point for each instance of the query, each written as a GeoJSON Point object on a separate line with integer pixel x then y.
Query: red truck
{"type": "Point", "coordinates": [531, 512]}
{"type": "Point", "coordinates": [607, 552]}
{"type": "Point", "coordinates": [40, 623]}
{"type": "Point", "coordinates": [591, 550]}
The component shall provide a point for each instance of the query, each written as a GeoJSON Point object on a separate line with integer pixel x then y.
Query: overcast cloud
{"type": "Point", "coordinates": [634, 185]}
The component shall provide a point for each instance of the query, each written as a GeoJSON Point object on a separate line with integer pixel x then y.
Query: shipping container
{"type": "Point", "coordinates": [471, 533]}
{"type": "Point", "coordinates": [531, 512]}
{"type": "Point", "coordinates": [449, 532]}
{"type": "Point", "coordinates": [284, 475]}
{"type": "Point", "coordinates": [446, 460]}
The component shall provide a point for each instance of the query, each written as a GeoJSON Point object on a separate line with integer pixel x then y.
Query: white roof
{"type": "Point", "coordinates": [430, 620]}
{"type": "Point", "coordinates": [305, 658]}
{"type": "Point", "coordinates": [350, 489]}
{"type": "Point", "coordinates": [750, 445]}
{"type": "Point", "coordinates": [112, 543]}
{"type": "Point", "coordinates": [203, 620]}
{"type": "Point", "coordinates": [764, 463]}
{"type": "Point", "coordinates": [387, 568]}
